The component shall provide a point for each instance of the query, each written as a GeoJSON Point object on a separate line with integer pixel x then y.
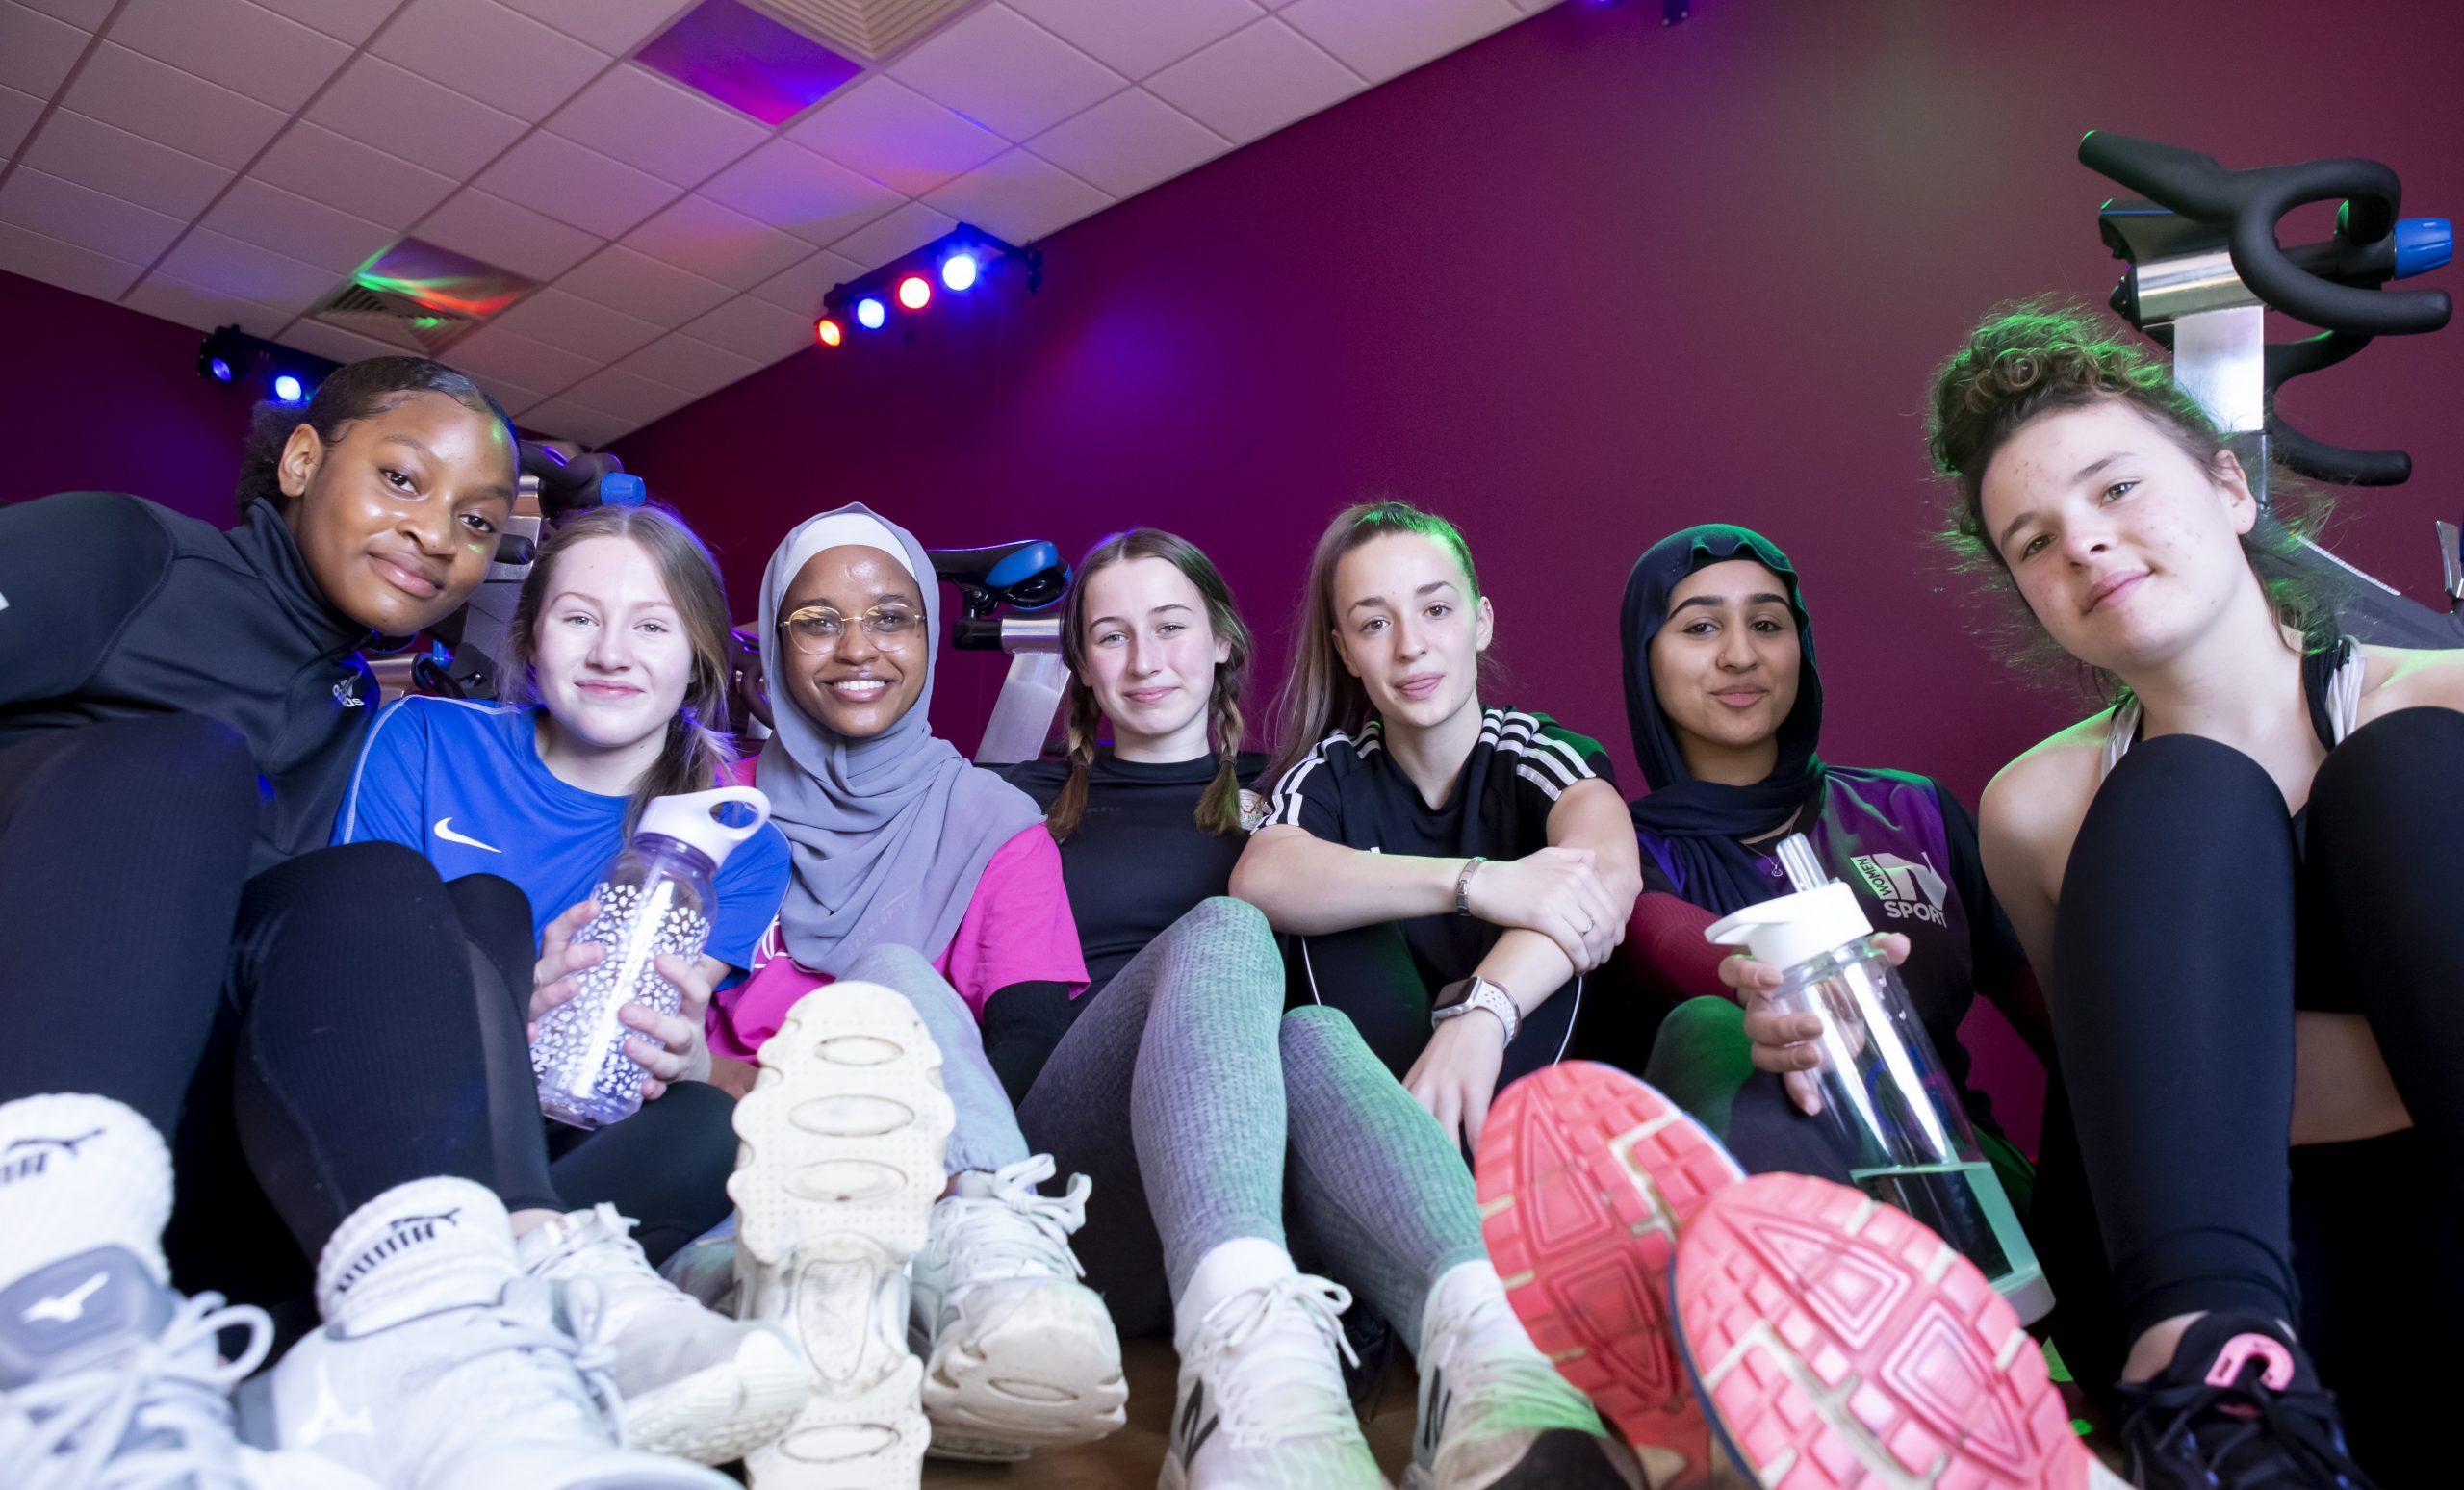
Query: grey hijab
{"type": "Point", "coordinates": [889, 835]}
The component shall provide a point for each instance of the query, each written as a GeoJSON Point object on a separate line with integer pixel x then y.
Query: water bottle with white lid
{"type": "Point", "coordinates": [657, 896]}
{"type": "Point", "coordinates": [1892, 1109]}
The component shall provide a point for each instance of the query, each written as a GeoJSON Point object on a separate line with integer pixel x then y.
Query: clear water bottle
{"type": "Point", "coordinates": [657, 896]}
{"type": "Point", "coordinates": [1891, 1108]}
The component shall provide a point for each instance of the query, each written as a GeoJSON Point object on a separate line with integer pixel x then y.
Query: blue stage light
{"type": "Point", "coordinates": [870, 312]}
{"type": "Point", "coordinates": [221, 367]}
{"type": "Point", "coordinates": [288, 388]}
{"type": "Point", "coordinates": [958, 271]}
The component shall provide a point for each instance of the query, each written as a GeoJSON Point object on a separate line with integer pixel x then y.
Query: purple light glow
{"type": "Point", "coordinates": [746, 60]}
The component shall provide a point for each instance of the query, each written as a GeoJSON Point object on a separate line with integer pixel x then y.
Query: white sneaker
{"type": "Point", "coordinates": [694, 1384]}
{"type": "Point", "coordinates": [842, 1161]}
{"type": "Point", "coordinates": [1020, 1355]}
{"type": "Point", "coordinates": [441, 1368]}
{"type": "Point", "coordinates": [1493, 1410]}
{"type": "Point", "coordinates": [108, 1378]}
{"type": "Point", "coordinates": [1262, 1404]}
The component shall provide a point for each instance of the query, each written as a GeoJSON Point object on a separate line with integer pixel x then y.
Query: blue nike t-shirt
{"type": "Point", "coordinates": [463, 783]}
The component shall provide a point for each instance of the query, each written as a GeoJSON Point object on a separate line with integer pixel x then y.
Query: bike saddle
{"type": "Point", "coordinates": [1027, 574]}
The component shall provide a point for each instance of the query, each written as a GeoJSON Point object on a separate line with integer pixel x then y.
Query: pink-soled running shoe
{"type": "Point", "coordinates": [1587, 1177]}
{"type": "Point", "coordinates": [1837, 1343]}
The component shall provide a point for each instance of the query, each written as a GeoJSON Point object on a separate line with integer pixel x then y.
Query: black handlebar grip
{"type": "Point", "coordinates": [2186, 181]}
{"type": "Point", "coordinates": [2324, 462]}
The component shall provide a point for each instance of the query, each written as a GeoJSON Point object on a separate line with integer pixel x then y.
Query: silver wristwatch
{"type": "Point", "coordinates": [1466, 994]}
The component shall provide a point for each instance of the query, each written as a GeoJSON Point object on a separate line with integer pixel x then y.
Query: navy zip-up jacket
{"type": "Point", "coordinates": [114, 608]}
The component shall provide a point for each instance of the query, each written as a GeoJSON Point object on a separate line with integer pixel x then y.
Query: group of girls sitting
{"type": "Point", "coordinates": [1259, 1016]}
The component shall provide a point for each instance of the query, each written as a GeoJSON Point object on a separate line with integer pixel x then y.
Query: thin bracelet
{"type": "Point", "coordinates": [1463, 884]}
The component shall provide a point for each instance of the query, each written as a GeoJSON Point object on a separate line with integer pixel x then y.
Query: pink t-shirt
{"type": "Point", "coordinates": [1017, 929]}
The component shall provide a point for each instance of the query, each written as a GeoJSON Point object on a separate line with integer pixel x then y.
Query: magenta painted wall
{"type": "Point", "coordinates": [1591, 280]}
{"type": "Point", "coordinates": [103, 398]}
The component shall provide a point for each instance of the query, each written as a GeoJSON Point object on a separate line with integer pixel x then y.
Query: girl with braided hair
{"type": "Point", "coordinates": [1182, 1041]}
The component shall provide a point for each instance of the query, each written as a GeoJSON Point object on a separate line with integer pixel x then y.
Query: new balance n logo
{"type": "Point", "coordinates": [1189, 1434]}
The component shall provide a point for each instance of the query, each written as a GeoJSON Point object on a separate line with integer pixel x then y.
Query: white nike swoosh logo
{"type": "Point", "coordinates": [445, 831]}
{"type": "Point", "coordinates": [61, 1308]}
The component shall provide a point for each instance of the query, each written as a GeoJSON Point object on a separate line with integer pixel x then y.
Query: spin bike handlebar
{"type": "Point", "coordinates": [2249, 204]}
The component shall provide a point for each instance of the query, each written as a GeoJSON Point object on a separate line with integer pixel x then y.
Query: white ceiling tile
{"type": "Point", "coordinates": [904, 231]}
{"type": "Point", "coordinates": [570, 421]}
{"type": "Point", "coordinates": [43, 203]}
{"type": "Point", "coordinates": [38, 256]}
{"type": "Point", "coordinates": [17, 114]}
{"type": "Point", "coordinates": [316, 338]}
{"type": "Point", "coordinates": [1254, 82]}
{"type": "Point", "coordinates": [1018, 196]}
{"type": "Point", "coordinates": [755, 328]}
{"type": "Point", "coordinates": [171, 107]}
{"type": "Point", "coordinates": [689, 364]}
{"type": "Point", "coordinates": [716, 243]}
{"type": "Point", "coordinates": [513, 398]}
{"type": "Point", "coordinates": [35, 50]}
{"type": "Point", "coordinates": [1534, 7]}
{"type": "Point", "coordinates": [895, 134]}
{"type": "Point", "coordinates": [652, 125]}
{"type": "Point", "coordinates": [247, 48]}
{"type": "Point", "coordinates": [493, 351]}
{"type": "Point", "coordinates": [1135, 39]}
{"type": "Point", "coordinates": [345, 21]}
{"type": "Point", "coordinates": [788, 186]}
{"type": "Point", "coordinates": [576, 184]}
{"type": "Point", "coordinates": [129, 166]}
{"type": "Point", "coordinates": [627, 396]}
{"type": "Point", "coordinates": [412, 118]}
{"type": "Point", "coordinates": [1128, 142]}
{"type": "Point", "coordinates": [296, 227]}
{"type": "Point", "coordinates": [658, 292]}
{"type": "Point", "coordinates": [800, 289]}
{"type": "Point", "coordinates": [1380, 38]}
{"type": "Point", "coordinates": [574, 324]}
{"type": "Point", "coordinates": [359, 179]}
{"type": "Point", "coordinates": [194, 305]}
{"type": "Point", "coordinates": [1005, 72]}
{"type": "Point", "coordinates": [229, 266]}
{"type": "Point", "coordinates": [505, 234]}
{"type": "Point", "coordinates": [480, 48]}
{"type": "Point", "coordinates": [86, 14]}
{"type": "Point", "coordinates": [614, 26]}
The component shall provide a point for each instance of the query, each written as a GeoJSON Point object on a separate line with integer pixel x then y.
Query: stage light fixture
{"type": "Point", "coordinates": [915, 292]}
{"type": "Point", "coordinates": [871, 314]}
{"type": "Point", "coordinates": [957, 273]}
{"type": "Point", "coordinates": [828, 331]}
{"type": "Point", "coordinates": [288, 388]}
{"type": "Point", "coordinates": [959, 260]}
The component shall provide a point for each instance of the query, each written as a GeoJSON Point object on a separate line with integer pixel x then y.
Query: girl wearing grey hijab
{"type": "Point", "coordinates": [920, 875]}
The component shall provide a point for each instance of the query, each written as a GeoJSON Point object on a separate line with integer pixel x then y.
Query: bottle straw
{"type": "Point", "coordinates": [1796, 857]}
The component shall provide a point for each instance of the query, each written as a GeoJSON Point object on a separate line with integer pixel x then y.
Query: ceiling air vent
{"type": "Point", "coordinates": [869, 29]}
{"type": "Point", "coordinates": [419, 298]}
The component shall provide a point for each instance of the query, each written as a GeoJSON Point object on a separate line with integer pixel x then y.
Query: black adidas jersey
{"type": "Point", "coordinates": [1348, 790]}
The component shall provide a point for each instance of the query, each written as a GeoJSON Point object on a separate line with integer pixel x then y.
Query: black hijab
{"type": "Point", "coordinates": [1703, 820]}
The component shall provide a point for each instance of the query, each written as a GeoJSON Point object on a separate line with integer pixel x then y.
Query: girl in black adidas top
{"type": "Point", "coordinates": [1451, 872]}
{"type": "Point", "coordinates": [1226, 1137]}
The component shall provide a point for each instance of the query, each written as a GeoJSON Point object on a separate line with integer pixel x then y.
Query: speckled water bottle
{"type": "Point", "coordinates": [657, 896]}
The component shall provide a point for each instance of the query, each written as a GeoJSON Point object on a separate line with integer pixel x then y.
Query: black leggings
{"type": "Point", "coordinates": [305, 1039]}
{"type": "Point", "coordinates": [2193, 923]}
{"type": "Point", "coordinates": [1371, 974]}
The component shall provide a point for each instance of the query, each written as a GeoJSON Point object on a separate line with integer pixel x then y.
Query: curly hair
{"type": "Point", "coordinates": [2043, 356]}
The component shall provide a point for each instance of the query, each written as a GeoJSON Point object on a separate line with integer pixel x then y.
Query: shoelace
{"type": "Point", "coordinates": [561, 1378]}
{"type": "Point", "coordinates": [1252, 1395]}
{"type": "Point", "coordinates": [1017, 1231]}
{"type": "Point", "coordinates": [175, 1391]}
{"type": "Point", "coordinates": [604, 1249]}
{"type": "Point", "coordinates": [2289, 1440]}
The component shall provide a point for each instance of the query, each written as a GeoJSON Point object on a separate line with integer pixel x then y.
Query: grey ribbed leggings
{"type": "Point", "coordinates": [1236, 1110]}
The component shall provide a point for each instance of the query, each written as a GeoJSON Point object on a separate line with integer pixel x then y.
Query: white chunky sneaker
{"type": "Point", "coordinates": [1262, 1404]}
{"type": "Point", "coordinates": [1493, 1410]}
{"type": "Point", "coordinates": [108, 1378]}
{"type": "Point", "coordinates": [442, 1368]}
{"type": "Point", "coordinates": [842, 1161]}
{"type": "Point", "coordinates": [1020, 1354]}
{"type": "Point", "coordinates": [695, 1384]}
